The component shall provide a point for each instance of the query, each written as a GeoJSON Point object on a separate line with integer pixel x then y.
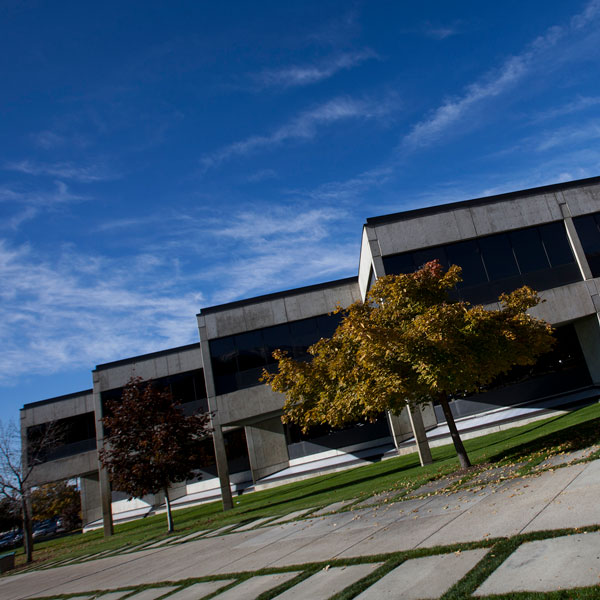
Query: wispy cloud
{"type": "Point", "coordinates": [28, 203]}
{"type": "Point", "coordinates": [497, 82]}
{"type": "Point", "coordinates": [87, 319]}
{"type": "Point", "coordinates": [570, 135]}
{"type": "Point", "coordinates": [581, 103]}
{"type": "Point", "coordinates": [290, 247]}
{"type": "Point", "coordinates": [441, 32]}
{"type": "Point", "coordinates": [305, 126]}
{"type": "Point", "coordinates": [62, 170]}
{"type": "Point", "coordinates": [307, 74]}
{"type": "Point", "coordinates": [308, 225]}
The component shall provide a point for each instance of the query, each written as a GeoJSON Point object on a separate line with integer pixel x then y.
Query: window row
{"type": "Point", "coordinates": [238, 360]}
{"type": "Point", "coordinates": [185, 387]}
{"type": "Point", "coordinates": [540, 257]}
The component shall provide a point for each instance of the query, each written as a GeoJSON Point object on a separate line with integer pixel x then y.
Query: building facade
{"type": "Point", "coordinates": [548, 238]}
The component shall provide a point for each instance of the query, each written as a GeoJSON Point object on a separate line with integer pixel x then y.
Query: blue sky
{"type": "Point", "coordinates": [159, 157]}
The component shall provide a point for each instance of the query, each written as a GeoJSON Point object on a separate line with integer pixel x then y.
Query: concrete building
{"type": "Point", "coordinates": [548, 238]}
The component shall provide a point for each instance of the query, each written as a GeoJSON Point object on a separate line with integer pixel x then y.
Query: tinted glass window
{"type": "Point", "coordinates": [529, 250]}
{"type": "Point", "coordinates": [587, 230]}
{"type": "Point", "coordinates": [467, 256]}
{"type": "Point", "coordinates": [327, 324]}
{"type": "Point", "coordinates": [498, 257]}
{"type": "Point", "coordinates": [250, 348]}
{"type": "Point", "coordinates": [224, 355]}
{"type": "Point", "coordinates": [556, 244]}
{"type": "Point", "coordinates": [275, 338]}
{"type": "Point", "coordinates": [399, 263]}
{"type": "Point", "coordinates": [420, 257]}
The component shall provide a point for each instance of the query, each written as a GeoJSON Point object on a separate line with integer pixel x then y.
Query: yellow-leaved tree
{"type": "Point", "coordinates": [409, 343]}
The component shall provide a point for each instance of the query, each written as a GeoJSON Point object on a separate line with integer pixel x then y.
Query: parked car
{"type": "Point", "coordinates": [12, 539]}
{"type": "Point", "coordinates": [45, 528]}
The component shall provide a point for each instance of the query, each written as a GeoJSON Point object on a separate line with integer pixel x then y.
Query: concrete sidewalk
{"type": "Point", "coordinates": [564, 498]}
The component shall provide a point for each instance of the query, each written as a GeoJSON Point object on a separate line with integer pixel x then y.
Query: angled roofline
{"type": "Point", "coordinates": [441, 208]}
{"type": "Point", "coordinates": [57, 399]}
{"type": "Point", "coordinates": [134, 359]}
{"type": "Point", "coordinates": [273, 296]}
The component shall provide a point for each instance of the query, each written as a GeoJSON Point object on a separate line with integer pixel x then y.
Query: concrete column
{"type": "Point", "coordinates": [104, 481]}
{"type": "Point", "coordinates": [575, 242]}
{"type": "Point", "coordinates": [400, 427]}
{"type": "Point", "coordinates": [222, 466]}
{"type": "Point", "coordinates": [416, 420]}
{"type": "Point", "coordinates": [267, 448]}
{"type": "Point", "coordinates": [588, 333]}
{"type": "Point", "coordinates": [91, 502]}
{"type": "Point", "coordinates": [218, 441]}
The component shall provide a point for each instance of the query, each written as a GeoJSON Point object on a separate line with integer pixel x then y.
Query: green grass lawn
{"type": "Point", "coordinates": [528, 444]}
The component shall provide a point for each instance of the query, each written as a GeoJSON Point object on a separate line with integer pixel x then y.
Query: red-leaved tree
{"type": "Point", "coordinates": [150, 443]}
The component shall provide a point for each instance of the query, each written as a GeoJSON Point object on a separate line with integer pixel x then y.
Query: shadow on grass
{"type": "Point", "coordinates": [570, 439]}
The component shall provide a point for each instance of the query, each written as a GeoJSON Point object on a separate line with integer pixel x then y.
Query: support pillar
{"type": "Point", "coordinates": [588, 333]}
{"type": "Point", "coordinates": [104, 481]}
{"type": "Point", "coordinates": [91, 502]}
{"type": "Point", "coordinates": [416, 420]}
{"type": "Point", "coordinates": [222, 466]}
{"type": "Point", "coordinates": [267, 448]}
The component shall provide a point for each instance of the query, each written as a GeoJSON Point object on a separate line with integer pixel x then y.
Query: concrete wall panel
{"type": "Point", "coordinates": [267, 448]}
{"type": "Point", "coordinates": [152, 367]}
{"type": "Point", "coordinates": [583, 200]}
{"type": "Point", "coordinates": [61, 409]}
{"type": "Point", "coordinates": [565, 304]}
{"type": "Point", "coordinates": [248, 404]}
{"type": "Point", "coordinates": [65, 468]}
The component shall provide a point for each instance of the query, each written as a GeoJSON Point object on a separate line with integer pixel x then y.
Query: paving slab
{"type": "Point", "coordinates": [326, 583]}
{"type": "Point", "coordinates": [379, 498]}
{"type": "Point", "coordinates": [253, 524]}
{"type": "Point", "coordinates": [255, 586]}
{"type": "Point", "coordinates": [153, 593]}
{"type": "Point", "coordinates": [576, 505]}
{"type": "Point", "coordinates": [427, 577]}
{"type": "Point", "coordinates": [546, 565]}
{"type": "Point", "coordinates": [431, 487]}
{"type": "Point", "coordinates": [162, 542]}
{"type": "Point", "coordinates": [219, 531]}
{"type": "Point", "coordinates": [190, 536]}
{"type": "Point", "coordinates": [332, 507]}
{"type": "Point", "coordinates": [506, 510]}
{"type": "Point", "coordinates": [200, 590]}
{"type": "Point", "coordinates": [291, 516]}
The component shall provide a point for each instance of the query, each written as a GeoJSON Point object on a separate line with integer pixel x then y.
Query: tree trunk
{"type": "Point", "coordinates": [463, 458]}
{"type": "Point", "coordinates": [27, 533]}
{"type": "Point", "coordinates": [170, 527]}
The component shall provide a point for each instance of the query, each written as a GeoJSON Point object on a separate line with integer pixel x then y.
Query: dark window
{"type": "Point", "coordinates": [589, 235]}
{"type": "Point", "coordinates": [421, 257]}
{"type": "Point", "coordinates": [276, 338]}
{"type": "Point", "coordinates": [251, 352]}
{"type": "Point", "coordinates": [238, 360]}
{"type": "Point", "coordinates": [224, 356]}
{"type": "Point", "coordinates": [327, 324]}
{"type": "Point", "coordinates": [529, 250]}
{"type": "Point", "coordinates": [557, 246]}
{"type": "Point", "coordinates": [64, 437]}
{"type": "Point", "coordinates": [467, 256]}
{"type": "Point", "coordinates": [498, 257]}
{"type": "Point", "coordinates": [304, 334]}
{"type": "Point", "coordinates": [540, 257]}
{"type": "Point", "coordinates": [399, 263]}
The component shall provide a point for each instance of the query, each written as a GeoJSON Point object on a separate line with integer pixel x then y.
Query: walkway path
{"type": "Point", "coordinates": [408, 549]}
